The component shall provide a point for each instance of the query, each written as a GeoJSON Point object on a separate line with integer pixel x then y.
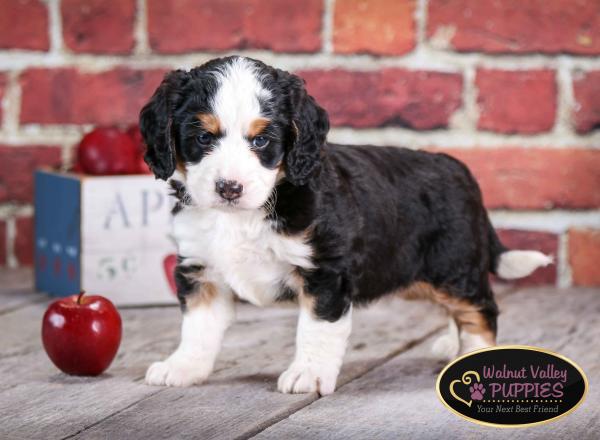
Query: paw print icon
{"type": "Point", "coordinates": [477, 391]}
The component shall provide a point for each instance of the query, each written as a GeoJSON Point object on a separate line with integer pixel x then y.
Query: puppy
{"type": "Point", "coordinates": [268, 210]}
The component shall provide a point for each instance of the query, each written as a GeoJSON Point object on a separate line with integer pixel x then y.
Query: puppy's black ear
{"type": "Point", "coordinates": [310, 124]}
{"type": "Point", "coordinates": [156, 120]}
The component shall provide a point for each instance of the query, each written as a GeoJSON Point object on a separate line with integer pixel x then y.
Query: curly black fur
{"type": "Point", "coordinates": [380, 219]}
{"type": "Point", "coordinates": [187, 282]}
{"type": "Point", "coordinates": [156, 123]}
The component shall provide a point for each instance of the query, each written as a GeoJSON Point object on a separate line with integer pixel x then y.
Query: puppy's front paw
{"type": "Point", "coordinates": [307, 378]}
{"type": "Point", "coordinates": [176, 372]}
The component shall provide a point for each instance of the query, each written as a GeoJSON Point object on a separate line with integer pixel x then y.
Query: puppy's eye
{"type": "Point", "coordinates": [205, 138]}
{"type": "Point", "coordinates": [260, 142]}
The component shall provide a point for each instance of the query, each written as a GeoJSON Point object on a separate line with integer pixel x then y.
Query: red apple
{"type": "Point", "coordinates": [143, 167]}
{"type": "Point", "coordinates": [108, 151]}
{"type": "Point", "coordinates": [81, 334]}
{"type": "Point", "coordinates": [133, 131]}
{"type": "Point", "coordinates": [136, 136]}
{"type": "Point", "coordinates": [76, 168]}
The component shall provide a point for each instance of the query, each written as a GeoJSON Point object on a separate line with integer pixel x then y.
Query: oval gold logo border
{"type": "Point", "coordinates": [519, 347]}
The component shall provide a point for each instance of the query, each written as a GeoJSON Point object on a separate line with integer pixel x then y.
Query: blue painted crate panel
{"type": "Point", "coordinates": [57, 234]}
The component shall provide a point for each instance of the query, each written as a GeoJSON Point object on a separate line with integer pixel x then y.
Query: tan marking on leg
{"type": "Point", "coordinates": [203, 297]}
{"type": "Point", "coordinates": [468, 316]}
{"type": "Point", "coordinates": [210, 122]}
{"type": "Point", "coordinates": [471, 320]}
{"type": "Point", "coordinates": [418, 290]}
{"type": "Point", "coordinates": [307, 302]}
{"type": "Point", "coordinates": [257, 126]}
{"type": "Point", "coordinates": [295, 282]}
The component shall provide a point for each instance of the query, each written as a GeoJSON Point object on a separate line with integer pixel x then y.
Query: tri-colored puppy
{"type": "Point", "coordinates": [269, 210]}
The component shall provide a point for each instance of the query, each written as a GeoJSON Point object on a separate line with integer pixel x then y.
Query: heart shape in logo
{"type": "Point", "coordinates": [465, 380]}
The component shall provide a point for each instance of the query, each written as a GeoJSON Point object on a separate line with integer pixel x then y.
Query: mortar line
{"type": "Point", "coordinates": [140, 29]}
{"type": "Point", "coordinates": [55, 28]}
{"type": "Point", "coordinates": [327, 31]}
{"type": "Point", "coordinates": [420, 17]}
{"type": "Point", "coordinates": [565, 101]}
{"type": "Point", "coordinates": [12, 104]}
{"type": "Point", "coordinates": [456, 136]}
{"type": "Point", "coordinates": [564, 275]}
{"type": "Point", "coordinates": [423, 57]}
{"type": "Point", "coordinates": [11, 259]}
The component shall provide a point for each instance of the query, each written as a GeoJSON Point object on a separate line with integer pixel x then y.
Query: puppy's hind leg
{"type": "Point", "coordinates": [472, 326]}
{"type": "Point", "coordinates": [447, 346]}
{"type": "Point", "coordinates": [477, 325]}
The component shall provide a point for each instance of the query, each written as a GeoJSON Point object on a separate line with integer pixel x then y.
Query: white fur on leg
{"type": "Point", "coordinates": [471, 341]}
{"type": "Point", "coordinates": [201, 336]}
{"type": "Point", "coordinates": [320, 347]}
{"type": "Point", "coordinates": [447, 345]}
{"type": "Point", "coordinates": [519, 264]}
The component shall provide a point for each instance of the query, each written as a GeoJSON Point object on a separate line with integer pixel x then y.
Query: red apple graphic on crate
{"type": "Point", "coordinates": [81, 334]}
{"type": "Point", "coordinates": [169, 264]}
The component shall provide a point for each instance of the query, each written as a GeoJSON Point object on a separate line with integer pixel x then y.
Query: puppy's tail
{"type": "Point", "coordinates": [509, 264]}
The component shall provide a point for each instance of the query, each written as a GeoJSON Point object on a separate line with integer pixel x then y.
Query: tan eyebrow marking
{"type": "Point", "coordinates": [257, 126]}
{"type": "Point", "coordinates": [209, 122]}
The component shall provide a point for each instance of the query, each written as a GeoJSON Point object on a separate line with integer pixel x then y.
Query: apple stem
{"type": "Point", "coordinates": [80, 296]}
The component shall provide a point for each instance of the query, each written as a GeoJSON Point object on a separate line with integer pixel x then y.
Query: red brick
{"type": "Point", "coordinates": [98, 26]}
{"type": "Point", "coordinates": [535, 178]}
{"type": "Point", "coordinates": [381, 27]}
{"type": "Point", "coordinates": [533, 240]}
{"type": "Point", "coordinates": [17, 165]}
{"type": "Point", "coordinates": [23, 246]}
{"type": "Point", "coordinates": [180, 26]}
{"type": "Point", "coordinates": [518, 26]}
{"type": "Point", "coordinates": [67, 96]}
{"type": "Point", "coordinates": [516, 101]}
{"type": "Point", "coordinates": [3, 82]}
{"type": "Point", "coordinates": [584, 255]}
{"type": "Point", "coordinates": [586, 88]}
{"type": "Point", "coordinates": [24, 25]}
{"type": "Point", "coordinates": [416, 99]}
{"type": "Point", "coordinates": [2, 243]}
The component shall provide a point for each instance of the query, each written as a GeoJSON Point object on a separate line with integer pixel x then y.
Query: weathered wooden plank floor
{"type": "Point", "coordinates": [386, 387]}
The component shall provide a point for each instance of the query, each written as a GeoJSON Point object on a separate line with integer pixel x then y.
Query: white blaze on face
{"type": "Point", "coordinates": [236, 106]}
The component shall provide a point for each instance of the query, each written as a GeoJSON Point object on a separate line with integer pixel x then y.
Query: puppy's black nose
{"type": "Point", "coordinates": [229, 189]}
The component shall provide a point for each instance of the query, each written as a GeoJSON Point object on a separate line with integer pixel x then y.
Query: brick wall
{"type": "Point", "coordinates": [512, 87]}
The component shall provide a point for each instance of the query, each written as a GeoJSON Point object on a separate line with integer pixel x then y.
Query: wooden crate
{"type": "Point", "coordinates": [108, 235]}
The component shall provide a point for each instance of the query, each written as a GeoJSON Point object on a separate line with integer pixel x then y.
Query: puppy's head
{"type": "Point", "coordinates": [232, 127]}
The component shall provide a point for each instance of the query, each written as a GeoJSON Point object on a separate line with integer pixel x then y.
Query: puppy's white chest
{"type": "Point", "coordinates": [240, 250]}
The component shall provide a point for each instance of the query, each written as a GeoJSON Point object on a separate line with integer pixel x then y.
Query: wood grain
{"type": "Point", "coordinates": [398, 400]}
{"type": "Point", "coordinates": [36, 401]}
{"type": "Point", "coordinates": [16, 289]}
{"type": "Point", "coordinates": [386, 389]}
